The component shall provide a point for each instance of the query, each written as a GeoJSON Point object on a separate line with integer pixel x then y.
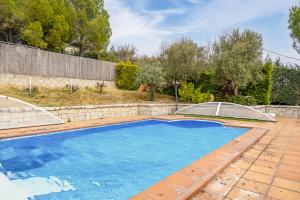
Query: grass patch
{"type": "Point", "coordinates": [42, 96]}
{"type": "Point", "coordinates": [227, 118]}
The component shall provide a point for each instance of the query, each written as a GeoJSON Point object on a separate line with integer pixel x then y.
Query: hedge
{"type": "Point", "coordinates": [261, 91]}
{"type": "Point", "coordinates": [126, 75]}
{"type": "Point", "coordinates": [286, 85]}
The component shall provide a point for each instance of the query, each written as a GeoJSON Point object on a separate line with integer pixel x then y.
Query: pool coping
{"type": "Point", "coordinates": [182, 184]}
{"type": "Point", "coordinates": [48, 129]}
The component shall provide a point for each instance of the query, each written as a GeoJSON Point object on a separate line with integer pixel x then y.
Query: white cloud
{"type": "Point", "coordinates": [219, 14]}
{"type": "Point", "coordinates": [147, 28]}
{"type": "Point", "coordinates": [140, 28]}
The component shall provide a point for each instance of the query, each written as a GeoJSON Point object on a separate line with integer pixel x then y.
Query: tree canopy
{"type": "Point", "coordinates": [286, 84]}
{"type": "Point", "coordinates": [11, 20]}
{"type": "Point", "coordinates": [294, 21]}
{"type": "Point", "coordinates": [182, 59]}
{"type": "Point", "coordinates": [152, 76]}
{"type": "Point", "coordinates": [91, 26]}
{"type": "Point", "coordinates": [56, 24]}
{"type": "Point", "coordinates": [238, 59]}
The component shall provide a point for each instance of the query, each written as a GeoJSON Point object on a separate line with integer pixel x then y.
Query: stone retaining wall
{"type": "Point", "coordinates": [81, 113]}
{"type": "Point", "coordinates": [21, 117]}
{"type": "Point", "coordinates": [280, 111]}
{"type": "Point", "coordinates": [50, 82]}
{"type": "Point", "coordinates": [24, 117]}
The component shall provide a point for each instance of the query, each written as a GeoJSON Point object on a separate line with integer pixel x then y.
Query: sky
{"type": "Point", "coordinates": [148, 23]}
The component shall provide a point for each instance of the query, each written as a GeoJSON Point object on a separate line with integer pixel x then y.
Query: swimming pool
{"type": "Point", "coordinates": [108, 162]}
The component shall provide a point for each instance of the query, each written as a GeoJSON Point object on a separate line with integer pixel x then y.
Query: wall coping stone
{"type": "Point", "coordinates": [113, 105]}
{"type": "Point", "coordinates": [147, 105]}
{"type": "Point", "coordinates": [277, 106]}
{"type": "Point", "coordinates": [127, 105]}
{"type": "Point", "coordinates": [17, 109]}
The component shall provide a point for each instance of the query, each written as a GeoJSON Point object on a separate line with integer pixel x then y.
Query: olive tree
{"type": "Point", "coordinates": [182, 60]}
{"type": "Point", "coordinates": [237, 59]}
{"type": "Point", "coordinates": [152, 77]}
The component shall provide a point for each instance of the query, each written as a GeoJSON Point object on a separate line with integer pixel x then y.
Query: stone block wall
{"type": "Point", "coordinates": [81, 113]}
{"type": "Point", "coordinates": [280, 110]}
{"type": "Point", "coordinates": [24, 117]}
{"type": "Point", "coordinates": [50, 82]}
{"type": "Point", "coordinates": [158, 109]}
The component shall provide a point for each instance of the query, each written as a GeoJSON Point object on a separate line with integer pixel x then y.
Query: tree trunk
{"type": "Point", "coordinates": [81, 50]}
{"type": "Point", "coordinates": [176, 94]}
{"type": "Point", "coordinates": [234, 88]}
{"type": "Point", "coordinates": [152, 95]}
{"type": "Point", "coordinates": [236, 91]}
{"type": "Point", "coordinates": [10, 36]}
{"type": "Point", "coordinates": [6, 36]}
{"type": "Point", "coordinates": [151, 92]}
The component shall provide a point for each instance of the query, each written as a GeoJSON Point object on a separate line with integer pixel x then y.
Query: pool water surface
{"type": "Point", "coordinates": [105, 163]}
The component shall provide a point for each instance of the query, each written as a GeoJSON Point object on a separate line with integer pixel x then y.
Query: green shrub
{"type": "Point", "coordinates": [188, 93]}
{"type": "Point", "coordinates": [286, 85]}
{"type": "Point", "coordinates": [261, 91]}
{"type": "Point", "coordinates": [72, 87]}
{"type": "Point", "coordinates": [207, 83]}
{"type": "Point", "coordinates": [243, 100]}
{"type": "Point", "coordinates": [126, 75]}
{"type": "Point", "coordinates": [199, 97]}
{"type": "Point", "coordinates": [31, 92]}
{"type": "Point", "coordinates": [168, 90]}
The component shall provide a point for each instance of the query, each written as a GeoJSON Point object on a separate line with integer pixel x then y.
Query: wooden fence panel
{"type": "Point", "coordinates": [19, 59]}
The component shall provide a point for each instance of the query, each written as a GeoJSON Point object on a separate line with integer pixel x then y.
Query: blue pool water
{"type": "Point", "coordinates": [110, 162]}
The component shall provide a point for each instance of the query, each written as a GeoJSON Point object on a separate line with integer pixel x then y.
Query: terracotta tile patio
{"type": "Point", "coordinates": [269, 169]}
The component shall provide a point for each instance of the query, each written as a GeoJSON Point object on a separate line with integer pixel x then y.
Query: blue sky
{"type": "Point", "coordinates": [148, 23]}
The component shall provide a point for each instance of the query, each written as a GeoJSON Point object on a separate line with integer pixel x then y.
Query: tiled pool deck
{"type": "Point", "coordinates": [264, 163]}
{"type": "Point", "coordinates": [270, 169]}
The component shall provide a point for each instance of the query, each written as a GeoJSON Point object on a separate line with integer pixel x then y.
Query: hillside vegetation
{"type": "Point", "coordinates": [84, 96]}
